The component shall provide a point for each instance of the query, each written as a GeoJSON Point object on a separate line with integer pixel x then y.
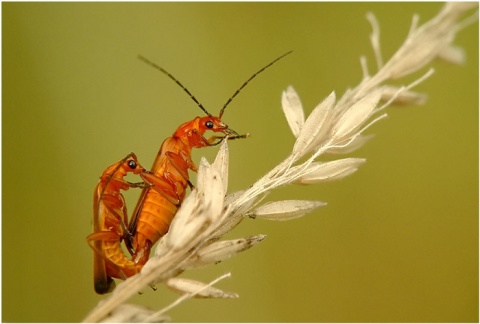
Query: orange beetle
{"type": "Point", "coordinates": [158, 205]}
{"type": "Point", "coordinates": [109, 224]}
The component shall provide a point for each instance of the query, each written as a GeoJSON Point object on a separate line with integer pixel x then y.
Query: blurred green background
{"type": "Point", "coordinates": [398, 240]}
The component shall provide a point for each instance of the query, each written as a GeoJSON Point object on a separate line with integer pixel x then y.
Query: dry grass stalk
{"type": "Point", "coordinates": [334, 126]}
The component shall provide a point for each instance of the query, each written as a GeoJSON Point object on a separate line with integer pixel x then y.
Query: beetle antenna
{"type": "Point", "coordinates": [250, 79]}
{"type": "Point", "coordinates": [176, 81]}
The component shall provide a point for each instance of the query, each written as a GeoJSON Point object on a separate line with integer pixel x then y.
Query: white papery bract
{"type": "Point", "coordinates": [329, 171]}
{"type": "Point", "coordinates": [452, 54]}
{"type": "Point", "coordinates": [315, 127]}
{"type": "Point", "coordinates": [197, 289]}
{"type": "Point", "coordinates": [222, 250]}
{"type": "Point", "coordinates": [404, 98]}
{"type": "Point", "coordinates": [184, 225]}
{"type": "Point", "coordinates": [285, 209]}
{"type": "Point", "coordinates": [355, 117]}
{"type": "Point", "coordinates": [293, 109]}
{"type": "Point", "coordinates": [221, 164]}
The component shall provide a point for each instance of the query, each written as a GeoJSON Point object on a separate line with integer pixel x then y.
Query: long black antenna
{"type": "Point", "coordinates": [174, 79]}
{"type": "Point", "coordinates": [250, 79]}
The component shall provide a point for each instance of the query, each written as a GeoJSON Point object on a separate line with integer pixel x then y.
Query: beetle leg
{"type": "Point", "coordinates": [141, 185]}
{"type": "Point", "coordinates": [161, 186]}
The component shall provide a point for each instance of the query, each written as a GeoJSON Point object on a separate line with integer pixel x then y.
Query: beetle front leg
{"type": "Point", "coordinates": [212, 139]}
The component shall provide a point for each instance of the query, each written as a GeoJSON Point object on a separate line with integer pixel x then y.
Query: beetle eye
{"type": "Point", "coordinates": [132, 164]}
{"type": "Point", "coordinates": [209, 124]}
